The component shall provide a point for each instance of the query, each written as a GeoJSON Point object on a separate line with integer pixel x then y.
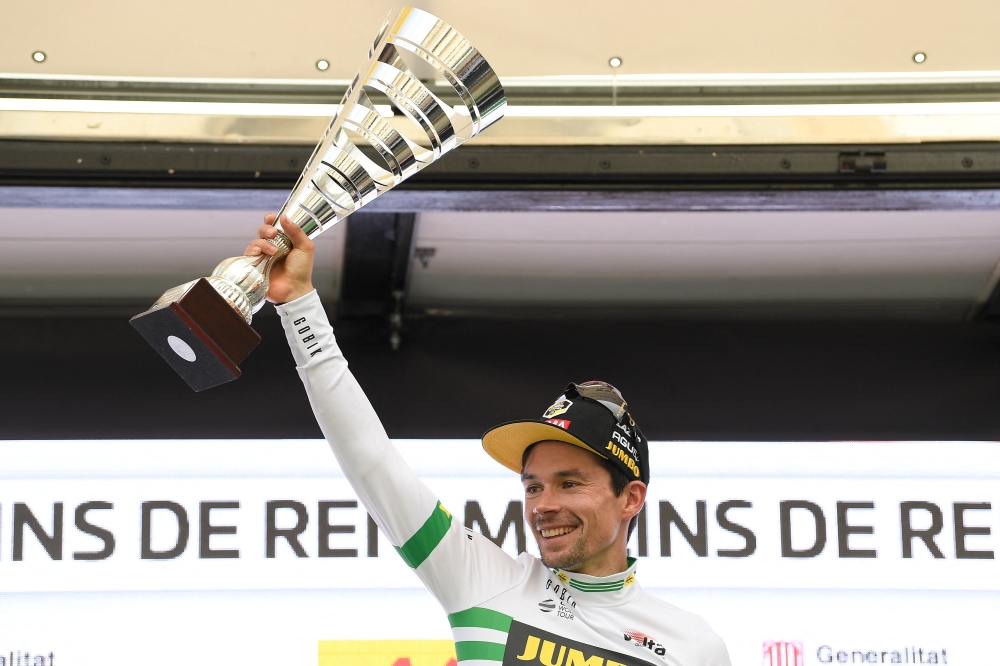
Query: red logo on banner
{"type": "Point", "coordinates": [559, 423]}
{"type": "Point", "coordinates": [783, 653]}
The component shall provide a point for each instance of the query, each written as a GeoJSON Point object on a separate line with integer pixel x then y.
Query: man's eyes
{"type": "Point", "coordinates": [532, 489]}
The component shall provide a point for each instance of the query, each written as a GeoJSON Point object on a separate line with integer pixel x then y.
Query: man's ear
{"type": "Point", "coordinates": [635, 497]}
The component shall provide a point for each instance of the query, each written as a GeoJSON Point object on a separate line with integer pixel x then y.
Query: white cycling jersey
{"type": "Point", "coordinates": [503, 611]}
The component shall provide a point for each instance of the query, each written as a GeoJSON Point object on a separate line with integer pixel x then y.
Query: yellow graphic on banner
{"type": "Point", "coordinates": [387, 653]}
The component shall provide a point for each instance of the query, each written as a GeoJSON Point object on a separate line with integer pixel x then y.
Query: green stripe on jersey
{"type": "Point", "coordinates": [468, 650]}
{"type": "Point", "coordinates": [420, 545]}
{"type": "Point", "coordinates": [612, 586]}
{"type": "Point", "coordinates": [481, 617]}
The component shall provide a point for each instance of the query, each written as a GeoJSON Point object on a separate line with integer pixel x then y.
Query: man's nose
{"type": "Point", "coordinates": [545, 502]}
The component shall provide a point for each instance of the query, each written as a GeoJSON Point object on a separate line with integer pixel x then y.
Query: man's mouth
{"type": "Point", "coordinates": [556, 531]}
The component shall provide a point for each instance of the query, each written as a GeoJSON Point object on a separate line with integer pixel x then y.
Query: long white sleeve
{"type": "Point", "coordinates": [429, 540]}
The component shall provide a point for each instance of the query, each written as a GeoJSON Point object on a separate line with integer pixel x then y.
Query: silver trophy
{"type": "Point", "coordinates": [202, 328]}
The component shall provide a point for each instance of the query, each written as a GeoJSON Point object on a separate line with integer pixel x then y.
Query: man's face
{"type": "Point", "coordinates": [572, 510]}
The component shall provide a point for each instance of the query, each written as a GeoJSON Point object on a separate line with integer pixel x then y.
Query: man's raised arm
{"type": "Point", "coordinates": [405, 509]}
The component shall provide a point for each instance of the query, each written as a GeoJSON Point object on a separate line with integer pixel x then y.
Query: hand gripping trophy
{"type": "Point", "coordinates": [202, 328]}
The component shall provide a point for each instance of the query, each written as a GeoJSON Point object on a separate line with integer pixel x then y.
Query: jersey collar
{"type": "Point", "coordinates": [613, 588]}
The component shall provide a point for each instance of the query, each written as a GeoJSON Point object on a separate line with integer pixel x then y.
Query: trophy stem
{"type": "Point", "coordinates": [243, 281]}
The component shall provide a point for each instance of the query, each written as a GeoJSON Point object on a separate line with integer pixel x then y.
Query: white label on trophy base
{"type": "Point", "coordinates": [181, 348]}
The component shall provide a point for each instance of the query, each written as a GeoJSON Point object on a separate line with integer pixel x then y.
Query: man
{"type": "Point", "coordinates": [584, 467]}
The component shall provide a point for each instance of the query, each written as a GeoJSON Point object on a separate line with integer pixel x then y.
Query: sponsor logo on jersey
{"type": "Point", "coordinates": [629, 580]}
{"type": "Point", "coordinates": [563, 578]}
{"type": "Point", "coordinates": [565, 598]}
{"type": "Point", "coordinates": [559, 423]}
{"type": "Point", "coordinates": [557, 408]}
{"type": "Point", "coordinates": [549, 605]}
{"type": "Point", "coordinates": [783, 653]}
{"type": "Point", "coordinates": [640, 639]}
{"type": "Point", "coordinates": [529, 646]}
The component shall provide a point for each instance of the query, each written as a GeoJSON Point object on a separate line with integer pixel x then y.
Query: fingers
{"type": "Point", "coordinates": [267, 230]}
{"type": "Point", "coordinates": [300, 241]}
{"type": "Point", "coordinates": [259, 246]}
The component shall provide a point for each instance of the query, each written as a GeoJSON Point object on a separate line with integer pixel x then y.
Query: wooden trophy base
{"type": "Point", "coordinates": [200, 335]}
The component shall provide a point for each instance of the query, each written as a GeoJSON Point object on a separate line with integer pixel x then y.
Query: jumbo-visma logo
{"type": "Point", "coordinates": [387, 653]}
{"type": "Point", "coordinates": [530, 646]}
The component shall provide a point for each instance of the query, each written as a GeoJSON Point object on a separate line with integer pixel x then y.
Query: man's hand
{"type": "Point", "coordinates": [291, 277]}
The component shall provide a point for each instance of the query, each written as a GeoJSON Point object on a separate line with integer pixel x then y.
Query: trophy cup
{"type": "Point", "coordinates": [202, 328]}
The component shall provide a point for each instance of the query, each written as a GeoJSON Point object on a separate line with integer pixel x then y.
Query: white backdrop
{"type": "Point", "coordinates": [75, 584]}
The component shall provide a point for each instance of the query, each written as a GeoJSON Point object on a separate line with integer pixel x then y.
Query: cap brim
{"type": "Point", "coordinates": [506, 443]}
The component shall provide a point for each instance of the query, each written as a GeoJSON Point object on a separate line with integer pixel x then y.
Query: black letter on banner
{"type": "Point", "coordinates": [93, 530]}
{"type": "Point", "coordinates": [514, 517]}
{"type": "Point", "coordinates": [326, 529]}
{"type": "Point", "coordinates": [289, 534]}
{"type": "Point", "coordinates": [927, 536]}
{"type": "Point", "coordinates": [182, 530]}
{"type": "Point", "coordinates": [844, 531]}
{"type": "Point", "coordinates": [372, 537]}
{"type": "Point", "coordinates": [961, 531]}
{"type": "Point", "coordinates": [786, 529]}
{"type": "Point", "coordinates": [207, 529]}
{"type": "Point", "coordinates": [748, 536]}
{"type": "Point", "coordinates": [697, 540]}
{"type": "Point", "coordinates": [51, 544]}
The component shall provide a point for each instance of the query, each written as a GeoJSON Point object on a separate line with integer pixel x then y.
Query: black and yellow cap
{"type": "Point", "coordinates": [591, 415]}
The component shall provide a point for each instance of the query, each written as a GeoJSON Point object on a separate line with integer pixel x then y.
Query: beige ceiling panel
{"type": "Point", "coordinates": [709, 226]}
{"type": "Point", "coordinates": [665, 258]}
{"type": "Point", "coordinates": [263, 39]}
{"type": "Point", "coordinates": [109, 255]}
{"type": "Point", "coordinates": [90, 223]}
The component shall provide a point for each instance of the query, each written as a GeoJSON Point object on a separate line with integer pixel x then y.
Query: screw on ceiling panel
{"type": "Point", "coordinates": [967, 162]}
{"type": "Point", "coordinates": [605, 164]}
{"type": "Point", "coordinates": [105, 160]}
{"type": "Point", "coordinates": [786, 163]}
{"type": "Point", "coordinates": [424, 254]}
{"type": "Point", "coordinates": [473, 163]}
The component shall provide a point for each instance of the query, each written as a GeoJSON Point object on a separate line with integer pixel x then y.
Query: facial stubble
{"type": "Point", "coordinates": [571, 559]}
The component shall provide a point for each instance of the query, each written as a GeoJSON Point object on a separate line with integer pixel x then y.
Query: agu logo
{"type": "Point", "coordinates": [783, 653]}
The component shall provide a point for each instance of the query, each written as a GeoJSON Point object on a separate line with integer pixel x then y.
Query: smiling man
{"type": "Point", "coordinates": [584, 465]}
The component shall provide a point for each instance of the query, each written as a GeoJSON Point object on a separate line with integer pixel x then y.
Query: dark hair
{"type": "Point", "coordinates": [618, 481]}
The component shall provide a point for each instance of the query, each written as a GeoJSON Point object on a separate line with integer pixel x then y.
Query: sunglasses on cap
{"type": "Point", "coordinates": [604, 393]}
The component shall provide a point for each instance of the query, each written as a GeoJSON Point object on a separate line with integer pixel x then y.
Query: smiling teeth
{"type": "Point", "coordinates": [557, 532]}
